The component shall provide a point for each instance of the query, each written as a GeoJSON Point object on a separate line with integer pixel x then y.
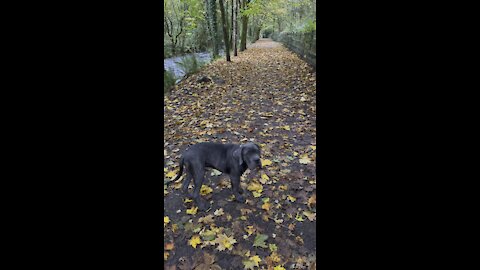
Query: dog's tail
{"type": "Point", "coordinates": [179, 173]}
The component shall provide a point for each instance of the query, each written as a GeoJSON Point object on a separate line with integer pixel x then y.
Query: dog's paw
{"type": "Point", "coordinates": [203, 206]}
{"type": "Point", "coordinates": [240, 199]}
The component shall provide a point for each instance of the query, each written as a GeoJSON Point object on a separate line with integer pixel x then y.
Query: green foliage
{"type": "Point", "coordinates": [216, 57]}
{"type": "Point", "coordinates": [192, 25]}
{"type": "Point", "coordinates": [309, 26]}
{"type": "Point", "coordinates": [190, 64]}
{"type": "Point", "coordinates": [168, 80]}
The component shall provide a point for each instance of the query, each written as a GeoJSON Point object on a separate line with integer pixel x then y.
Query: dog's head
{"type": "Point", "coordinates": [250, 154]}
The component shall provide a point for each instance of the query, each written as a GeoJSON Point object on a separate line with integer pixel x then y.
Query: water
{"type": "Point", "coordinates": [172, 62]}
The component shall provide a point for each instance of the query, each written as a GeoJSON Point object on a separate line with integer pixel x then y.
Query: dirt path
{"type": "Point", "coordinates": [266, 95]}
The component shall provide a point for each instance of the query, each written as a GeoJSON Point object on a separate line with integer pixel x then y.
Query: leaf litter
{"type": "Point", "coordinates": [268, 97]}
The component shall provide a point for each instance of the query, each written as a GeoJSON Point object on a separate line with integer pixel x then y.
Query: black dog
{"type": "Point", "coordinates": [230, 159]}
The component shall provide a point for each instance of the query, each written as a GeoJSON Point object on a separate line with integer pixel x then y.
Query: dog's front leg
{"type": "Point", "coordinates": [236, 188]}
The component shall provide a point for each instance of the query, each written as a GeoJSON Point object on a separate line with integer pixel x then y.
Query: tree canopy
{"type": "Point", "coordinates": [196, 25]}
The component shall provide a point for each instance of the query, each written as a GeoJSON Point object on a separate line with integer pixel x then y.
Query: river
{"type": "Point", "coordinates": [172, 62]}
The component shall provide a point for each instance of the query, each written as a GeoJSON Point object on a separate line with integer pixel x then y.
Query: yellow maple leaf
{"type": "Point", "coordinates": [255, 187]}
{"type": "Point", "coordinates": [251, 262]}
{"type": "Point", "coordinates": [313, 147]}
{"type": "Point", "coordinates": [266, 206]}
{"type": "Point", "coordinates": [171, 174]}
{"type": "Point", "coordinates": [311, 216]}
{"type": "Point", "coordinates": [166, 220]}
{"type": "Point", "coordinates": [205, 190]}
{"type": "Point", "coordinates": [305, 160]}
{"type": "Point", "coordinates": [256, 194]}
{"type": "Point", "coordinates": [286, 127]}
{"type": "Point", "coordinates": [225, 242]}
{"type": "Point", "coordinates": [165, 256]}
{"type": "Point", "coordinates": [279, 267]}
{"type": "Point", "coordinates": [250, 230]}
{"type": "Point", "coordinates": [264, 179]}
{"type": "Point", "coordinates": [291, 198]}
{"type": "Point", "coordinates": [192, 211]}
{"type": "Point", "coordinates": [194, 241]}
{"type": "Point", "coordinates": [283, 187]}
{"type": "Point", "coordinates": [299, 217]}
{"type": "Point", "coordinates": [274, 257]}
{"type": "Point", "coordinates": [266, 162]}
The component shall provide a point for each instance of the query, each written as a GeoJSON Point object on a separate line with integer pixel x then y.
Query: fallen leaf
{"type": "Point", "coordinates": [260, 240]}
{"type": "Point", "coordinates": [192, 211]}
{"type": "Point", "coordinates": [264, 179]}
{"type": "Point", "coordinates": [272, 247]}
{"type": "Point", "coordinates": [305, 160]}
{"type": "Point", "coordinates": [215, 172]}
{"type": "Point", "coordinates": [204, 190]}
{"type": "Point", "coordinates": [171, 174]}
{"type": "Point", "coordinates": [266, 206]}
{"type": "Point", "coordinates": [225, 242]}
{"type": "Point", "coordinates": [218, 212]}
{"type": "Point", "coordinates": [312, 200]}
{"type": "Point", "coordinates": [256, 194]}
{"type": "Point", "coordinates": [311, 216]}
{"type": "Point", "coordinates": [266, 162]}
{"type": "Point", "coordinates": [251, 262]}
{"type": "Point", "coordinates": [206, 219]}
{"type": "Point", "coordinates": [169, 246]}
{"type": "Point", "coordinates": [255, 187]}
{"type": "Point", "coordinates": [194, 241]}
{"type": "Point", "coordinates": [250, 230]}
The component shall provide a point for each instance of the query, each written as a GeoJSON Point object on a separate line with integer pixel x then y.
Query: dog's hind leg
{"type": "Point", "coordinates": [198, 176]}
{"type": "Point", "coordinates": [186, 183]}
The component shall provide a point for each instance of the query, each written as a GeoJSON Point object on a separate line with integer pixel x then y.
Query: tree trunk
{"type": "Point", "coordinates": [225, 35]}
{"type": "Point", "coordinates": [243, 35]}
{"type": "Point", "coordinates": [229, 33]}
{"type": "Point", "coordinates": [212, 15]}
{"type": "Point", "coordinates": [231, 24]}
{"type": "Point", "coordinates": [234, 23]}
{"type": "Point", "coordinates": [257, 33]}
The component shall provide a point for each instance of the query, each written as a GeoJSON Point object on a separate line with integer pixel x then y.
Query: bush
{"type": "Point", "coordinates": [190, 65]}
{"type": "Point", "coordinates": [168, 80]}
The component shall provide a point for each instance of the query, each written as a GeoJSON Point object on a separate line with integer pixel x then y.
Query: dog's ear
{"type": "Point", "coordinates": [237, 155]}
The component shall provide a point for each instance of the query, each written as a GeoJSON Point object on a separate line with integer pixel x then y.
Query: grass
{"type": "Point", "coordinates": [168, 80]}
